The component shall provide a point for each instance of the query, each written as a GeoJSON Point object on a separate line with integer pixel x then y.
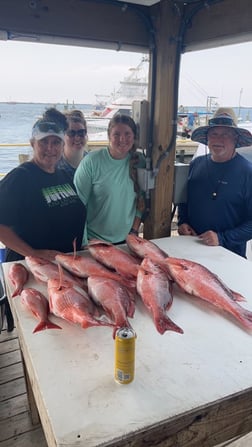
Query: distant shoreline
{"type": "Point", "coordinates": [44, 103]}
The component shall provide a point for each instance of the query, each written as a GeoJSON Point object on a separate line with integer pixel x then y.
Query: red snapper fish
{"type": "Point", "coordinates": [37, 303]}
{"type": "Point", "coordinates": [113, 297]}
{"type": "Point", "coordinates": [73, 304]}
{"type": "Point", "coordinates": [154, 288]}
{"type": "Point", "coordinates": [114, 258]}
{"type": "Point", "coordinates": [142, 248]}
{"type": "Point", "coordinates": [85, 266]}
{"type": "Point", "coordinates": [44, 270]}
{"type": "Point", "coordinates": [197, 280]}
{"type": "Point", "coordinates": [18, 275]}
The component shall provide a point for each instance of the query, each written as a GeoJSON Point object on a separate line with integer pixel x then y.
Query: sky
{"type": "Point", "coordinates": [224, 73]}
{"type": "Point", "coordinates": [36, 72]}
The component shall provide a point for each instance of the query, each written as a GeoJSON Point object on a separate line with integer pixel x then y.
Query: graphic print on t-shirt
{"type": "Point", "coordinates": [59, 195]}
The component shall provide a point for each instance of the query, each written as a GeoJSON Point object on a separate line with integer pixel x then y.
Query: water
{"type": "Point", "coordinates": [16, 121]}
{"type": "Point", "coordinates": [244, 113]}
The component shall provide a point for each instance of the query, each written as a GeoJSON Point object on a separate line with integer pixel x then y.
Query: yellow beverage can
{"type": "Point", "coordinates": [124, 355]}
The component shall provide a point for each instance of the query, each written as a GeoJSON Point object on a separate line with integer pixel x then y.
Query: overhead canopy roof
{"type": "Point", "coordinates": [132, 25]}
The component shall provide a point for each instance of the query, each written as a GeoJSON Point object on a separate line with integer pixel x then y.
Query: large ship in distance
{"type": "Point", "coordinates": [133, 87]}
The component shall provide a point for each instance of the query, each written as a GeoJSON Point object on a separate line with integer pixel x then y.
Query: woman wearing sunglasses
{"type": "Point", "coordinates": [75, 142]}
{"type": "Point", "coordinates": [40, 211]}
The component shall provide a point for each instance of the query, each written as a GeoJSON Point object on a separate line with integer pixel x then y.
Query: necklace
{"type": "Point", "coordinates": [219, 174]}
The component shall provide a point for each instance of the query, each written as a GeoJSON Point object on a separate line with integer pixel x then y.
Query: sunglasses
{"type": "Point", "coordinates": [47, 126]}
{"type": "Point", "coordinates": [219, 121]}
{"type": "Point", "coordinates": [73, 133]}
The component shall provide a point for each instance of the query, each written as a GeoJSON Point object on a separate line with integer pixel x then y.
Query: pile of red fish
{"type": "Point", "coordinates": [100, 288]}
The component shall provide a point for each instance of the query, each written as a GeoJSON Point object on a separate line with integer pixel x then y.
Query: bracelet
{"type": "Point", "coordinates": [133, 231]}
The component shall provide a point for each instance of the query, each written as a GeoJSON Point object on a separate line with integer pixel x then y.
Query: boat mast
{"type": "Point", "coordinates": [239, 109]}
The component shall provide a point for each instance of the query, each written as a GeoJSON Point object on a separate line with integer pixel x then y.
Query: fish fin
{"type": "Point", "coordinates": [246, 318]}
{"type": "Point", "coordinates": [98, 242]}
{"type": "Point", "coordinates": [61, 275]}
{"type": "Point", "coordinates": [89, 322]}
{"type": "Point", "coordinates": [170, 301]}
{"type": "Point", "coordinates": [165, 268]}
{"type": "Point", "coordinates": [105, 319]}
{"type": "Point", "coordinates": [114, 332]}
{"type": "Point", "coordinates": [131, 310]}
{"type": "Point", "coordinates": [237, 296]}
{"type": "Point", "coordinates": [45, 325]}
{"type": "Point", "coordinates": [164, 323]}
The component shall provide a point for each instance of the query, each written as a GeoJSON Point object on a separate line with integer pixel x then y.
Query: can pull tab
{"type": "Point", "coordinates": [125, 333]}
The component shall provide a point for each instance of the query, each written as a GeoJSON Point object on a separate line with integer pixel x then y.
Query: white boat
{"type": "Point", "coordinates": [133, 87]}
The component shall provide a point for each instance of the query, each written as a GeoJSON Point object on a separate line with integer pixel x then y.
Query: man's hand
{"type": "Point", "coordinates": [209, 238]}
{"type": "Point", "coordinates": [186, 230]}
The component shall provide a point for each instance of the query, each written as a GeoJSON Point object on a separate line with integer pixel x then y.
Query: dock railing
{"type": "Point", "coordinates": [185, 149]}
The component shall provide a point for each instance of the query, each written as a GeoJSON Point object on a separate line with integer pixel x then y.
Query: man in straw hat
{"type": "Point", "coordinates": [219, 188]}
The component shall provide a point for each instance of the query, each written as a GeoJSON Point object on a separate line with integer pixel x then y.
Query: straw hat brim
{"type": "Point", "coordinates": [245, 137]}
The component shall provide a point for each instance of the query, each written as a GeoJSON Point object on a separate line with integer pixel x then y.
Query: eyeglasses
{"type": "Point", "coordinates": [47, 126]}
{"type": "Point", "coordinates": [80, 133]}
{"type": "Point", "coordinates": [221, 121]}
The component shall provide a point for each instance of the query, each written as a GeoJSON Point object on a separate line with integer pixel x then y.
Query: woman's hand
{"type": "Point", "coordinates": [48, 255]}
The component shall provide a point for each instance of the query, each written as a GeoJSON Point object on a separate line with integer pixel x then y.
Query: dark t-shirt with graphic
{"type": "Point", "coordinates": [42, 208]}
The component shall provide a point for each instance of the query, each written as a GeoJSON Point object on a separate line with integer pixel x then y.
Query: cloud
{"type": "Point", "coordinates": [33, 72]}
{"type": "Point", "coordinates": [221, 72]}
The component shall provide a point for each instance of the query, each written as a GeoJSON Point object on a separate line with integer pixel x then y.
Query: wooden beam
{"type": "Point", "coordinates": [158, 223]}
{"type": "Point", "coordinates": [222, 421]}
{"type": "Point", "coordinates": [91, 23]}
{"type": "Point", "coordinates": [222, 23]}
{"type": "Point", "coordinates": [124, 25]}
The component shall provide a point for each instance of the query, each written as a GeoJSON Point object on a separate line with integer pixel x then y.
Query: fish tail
{"type": "Point", "coordinates": [45, 325]}
{"type": "Point", "coordinates": [163, 324]}
{"type": "Point", "coordinates": [236, 296]}
{"type": "Point", "coordinates": [17, 292]}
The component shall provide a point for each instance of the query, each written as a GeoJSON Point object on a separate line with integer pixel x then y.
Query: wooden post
{"type": "Point", "coordinates": [158, 223]}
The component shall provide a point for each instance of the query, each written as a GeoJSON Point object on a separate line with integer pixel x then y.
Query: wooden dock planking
{"type": "Point", "coordinates": [16, 429]}
{"type": "Point", "coordinates": [33, 438]}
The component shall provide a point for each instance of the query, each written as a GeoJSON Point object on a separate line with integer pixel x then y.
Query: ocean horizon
{"type": "Point", "coordinates": [17, 119]}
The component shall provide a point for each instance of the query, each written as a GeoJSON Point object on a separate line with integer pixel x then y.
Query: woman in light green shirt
{"type": "Point", "coordinates": [106, 182]}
